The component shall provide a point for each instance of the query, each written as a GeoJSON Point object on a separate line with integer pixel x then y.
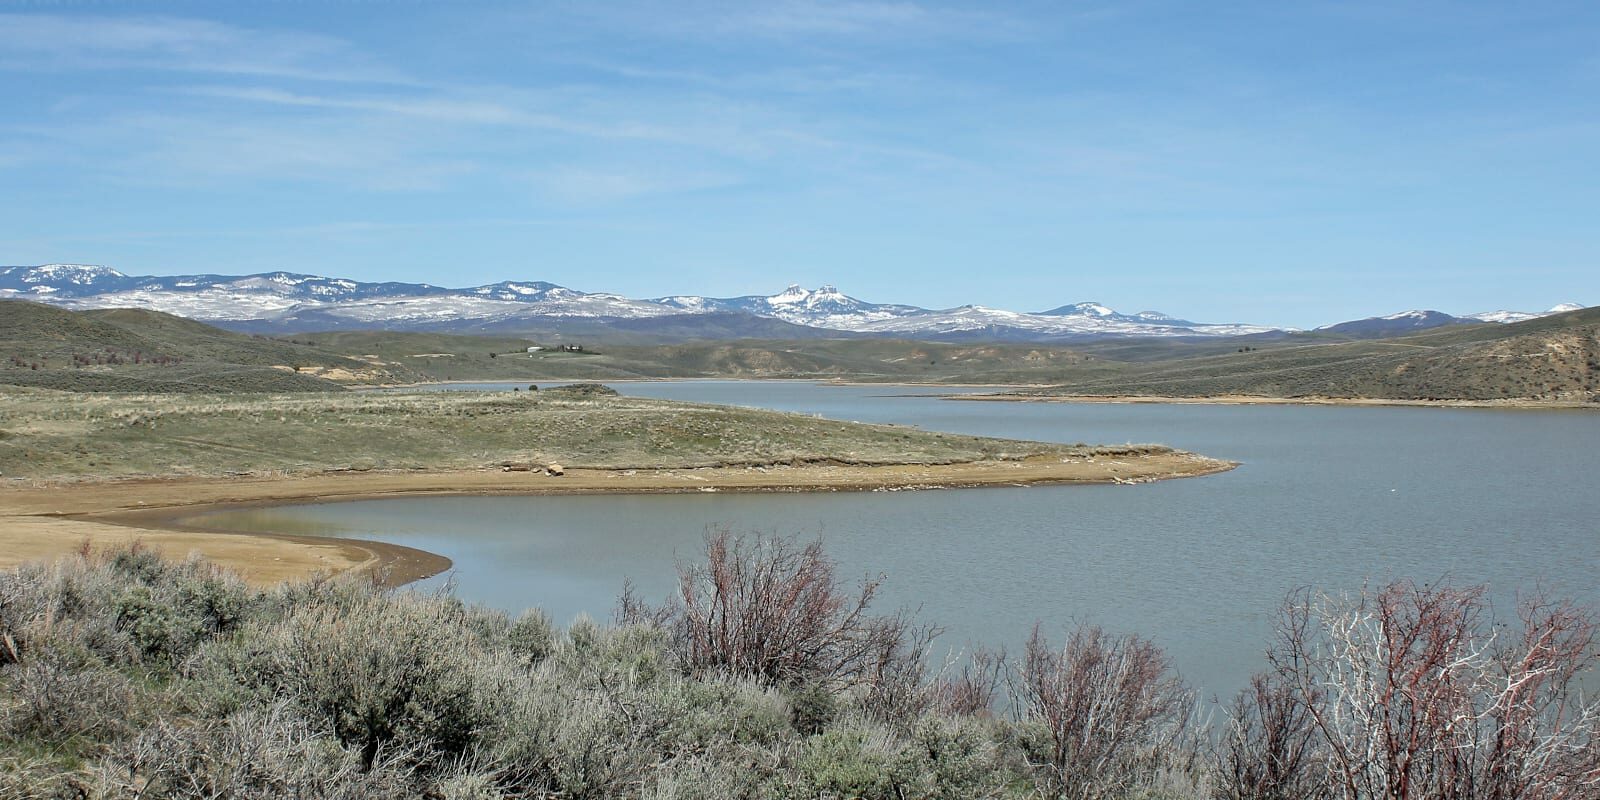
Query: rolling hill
{"type": "Point", "coordinates": [451, 357]}
{"type": "Point", "coordinates": [1553, 359]}
{"type": "Point", "coordinates": [136, 350]}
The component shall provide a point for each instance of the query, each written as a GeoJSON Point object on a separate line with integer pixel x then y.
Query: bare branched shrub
{"type": "Point", "coordinates": [36, 779]}
{"type": "Point", "coordinates": [132, 677]}
{"type": "Point", "coordinates": [1269, 748]}
{"type": "Point", "coordinates": [1108, 709]}
{"type": "Point", "coordinates": [774, 611]}
{"type": "Point", "coordinates": [896, 688]}
{"type": "Point", "coordinates": [1417, 694]}
{"type": "Point", "coordinates": [969, 689]}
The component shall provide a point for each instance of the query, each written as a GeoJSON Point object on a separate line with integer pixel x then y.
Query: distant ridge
{"type": "Point", "coordinates": [1416, 320]}
{"type": "Point", "coordinates": [282, 302]}
{"type": "Point", "coordinates": [1552, 358]}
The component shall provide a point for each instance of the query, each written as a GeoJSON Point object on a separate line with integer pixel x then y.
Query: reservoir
{"type": "Point", "coordinates": [1331, 497]}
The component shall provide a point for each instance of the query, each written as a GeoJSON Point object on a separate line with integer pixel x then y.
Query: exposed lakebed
{"type": "Point", "coordinates": [1327, 496]}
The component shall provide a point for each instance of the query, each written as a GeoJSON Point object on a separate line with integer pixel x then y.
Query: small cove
{"type": "Point", "coordinates": [1327, 496]}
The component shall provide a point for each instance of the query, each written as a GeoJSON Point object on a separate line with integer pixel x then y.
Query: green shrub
{"type": "Point", "coordinates": [856, 761]}
{"type": "Point", "coordinates": [62, 691]}
{"type": "Point", "coordinates": [255, 754]}
{"type": "Point", "coordinates": [390, 672]}
{"type": "Point", "coordinates": [532, 636]}
{"type": "Point", "coordinates": [960, 758]}
{"type": "Point", "coordinates": [158, 628]}
{"type": "Point", "coordinates": [124, 677]}
{"type": "Point", "coordinates": [139, 563]}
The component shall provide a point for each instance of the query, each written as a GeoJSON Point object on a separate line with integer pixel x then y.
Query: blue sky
{"type": "Point", "coordinates": [1280, 163]}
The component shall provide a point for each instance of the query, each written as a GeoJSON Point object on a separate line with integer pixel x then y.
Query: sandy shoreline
{"type": "Point", "coordinates": [53, 520]}
{"type": "Point", "coordinates": [817, 381]}
{"type": "Point", "coordinates": [1250, 400]}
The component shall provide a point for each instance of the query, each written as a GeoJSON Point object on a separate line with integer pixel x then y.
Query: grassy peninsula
{"type": "Point", "coordinates": [105, 466]}
{"type": "Point", "coordinates": [53, 436]}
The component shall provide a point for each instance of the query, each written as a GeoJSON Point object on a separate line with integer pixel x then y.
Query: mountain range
{"type": "Point", "coordinates": [278, 302]}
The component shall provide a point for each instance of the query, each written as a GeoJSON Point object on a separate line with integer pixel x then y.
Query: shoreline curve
{"type": "Point", "coordinates": [1510, 404]}
{"type": "Point", "coordinates": [53, 520]}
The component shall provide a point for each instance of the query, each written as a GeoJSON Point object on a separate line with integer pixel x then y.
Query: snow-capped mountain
{"type": "Point", "coordinates": [1085, 321]}
{"type": "Point", "coordinates": [286, 297]}
{"type": "Point", "coordinates": [60, 280]}
{"type": "Point", "coordinates": [287, 301]}
{"type": "Point", "coordinates": [1093, 310]}
{"type": "Point", "coordinates": [1418, 319]}
{"type": "Point", "coordinates": [825, 307]}
{"type": "Point", "coordinates": [1520, 316]}
{"type": "Point", "coordinates": [1394, 324]}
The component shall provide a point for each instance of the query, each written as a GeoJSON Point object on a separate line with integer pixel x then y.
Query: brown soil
{"type": "Point", "coordinates": [42, 522]}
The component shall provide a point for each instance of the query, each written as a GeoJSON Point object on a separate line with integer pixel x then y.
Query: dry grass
{"type": "Point", "coordinates": [46, 435]}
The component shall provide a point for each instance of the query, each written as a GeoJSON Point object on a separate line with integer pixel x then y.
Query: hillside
{"type": "Point", "coordinates": [450, 357]}
{"type": "Point", "coordinates": [1552, 359]}
{"type": "Point", "coordinates": [134, 350]}
{"type": "Point", "coordinates": [1549, 359]}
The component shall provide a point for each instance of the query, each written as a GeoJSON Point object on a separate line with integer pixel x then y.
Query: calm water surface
{"type": "Point", "coordinates": [1327, 496]}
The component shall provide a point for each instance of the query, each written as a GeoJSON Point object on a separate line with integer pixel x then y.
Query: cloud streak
{"type": "Point", "coordinates": [36, 42]}
{"type": "Point", "coordinates": [800, 21]}
{"type": "Point", "coordinates": [585, 185]}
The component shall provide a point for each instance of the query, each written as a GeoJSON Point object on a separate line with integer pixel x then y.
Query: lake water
{"type": "Point", "coordinates": [1330, 497]}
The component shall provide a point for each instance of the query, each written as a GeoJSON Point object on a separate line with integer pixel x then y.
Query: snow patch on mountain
{"type": "Point", "coordinates": [826, 307]}
{"type": "Point", "coordinates": [291, 299]}
{"type": "Point", "coordinates": [1088, 321]}
{"type": "Point", "coordinates": [1504, 316]}
{"type": "Point", "coordinates": [82, 274]}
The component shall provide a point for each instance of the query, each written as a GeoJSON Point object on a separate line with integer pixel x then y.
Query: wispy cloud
{"type": "Point", "coordinates": [598, 185]}
{"type": "Point", "coordinates": [451, 110]}
{"type": "Point", "coordinates": [860, 19]}
{"type": "Point", "coordinates": [712, 124]}
{"type": "Point", "coordinates": [86, 42]}
{"type": "Point", "coordinates": [342, 229]}
{"type": "Point", "coordinates": [824, 79]}
{"type": "Point", "coordinates": [188, 150]}
{"type": "Point", "coordinates": [367, 123]}
{"type": "Point", "coordinates": [810, 17]}
{"type": "Point", "coordinates": [786, 22]}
